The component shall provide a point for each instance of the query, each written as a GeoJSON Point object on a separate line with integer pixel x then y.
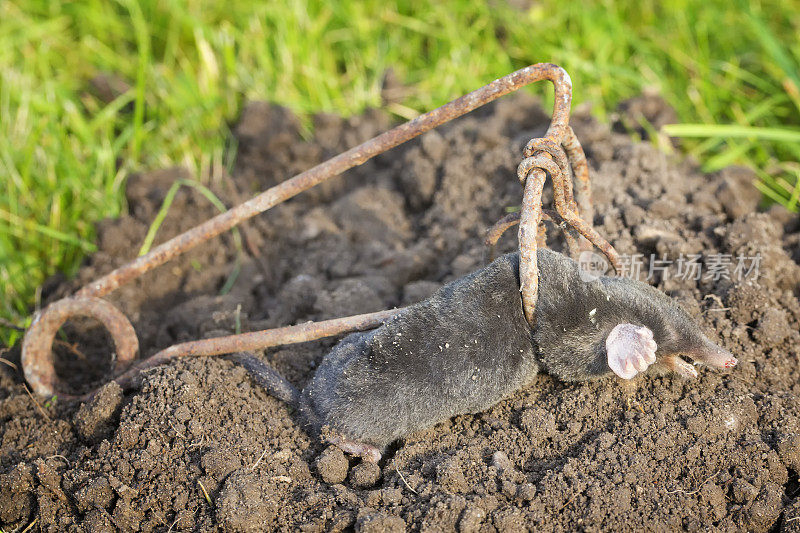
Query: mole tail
{"type": "Point", "coordinates": [269, 378]}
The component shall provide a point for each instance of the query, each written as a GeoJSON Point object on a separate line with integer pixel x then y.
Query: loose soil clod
{"type": "Point", "coordinates": [580, 458]}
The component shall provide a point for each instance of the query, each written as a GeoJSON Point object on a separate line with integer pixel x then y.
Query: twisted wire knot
{"type": "Point", "coordinates": [543, 149]}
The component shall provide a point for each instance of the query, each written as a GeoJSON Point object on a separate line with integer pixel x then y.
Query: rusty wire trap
{"type": "Point", "coordinates": [557, 154]}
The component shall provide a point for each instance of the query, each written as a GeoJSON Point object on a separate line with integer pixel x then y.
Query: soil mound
{"type": "Point", "coordinates": [201, 447]}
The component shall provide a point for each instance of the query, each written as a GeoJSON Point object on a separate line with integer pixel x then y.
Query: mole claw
{"type": "Point", "coordinates": [629, 367]}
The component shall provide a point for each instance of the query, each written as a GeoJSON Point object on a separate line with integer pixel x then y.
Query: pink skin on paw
{"type": "Point", "coordinates": [631, 350]}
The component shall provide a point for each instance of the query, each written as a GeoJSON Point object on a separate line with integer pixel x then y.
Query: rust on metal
{"type": "Point", "coordinates": [497, 230]}
{"type": "Point", "coordinates": [546, 155]}
{"type": "Point", "coordinates": [556, 153]}
{"type": "Point", "coordinates": [344, 161]}
{"type": "Point", "coordinates": [541, 233]}
{"type": "Point", "coordinates": [530, 216]}
{"type": "Point", "coordinates": [494, 233]}
{"type": "Point", "coordinates": [259, 340]}
{"type": "Point", "coordinates": [572, 218]}
{"type": "Point", "coordinates": [580, 168]}
{"type": "Point", "coordinates": [37, 354]}
{"type": "Point", "coordinates": [532, 171]}
{"type": "Point", "coordinates": [560, 155]}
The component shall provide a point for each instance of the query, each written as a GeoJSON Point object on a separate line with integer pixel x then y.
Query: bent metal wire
{"type": "Point", "coordinates": [556, 154]}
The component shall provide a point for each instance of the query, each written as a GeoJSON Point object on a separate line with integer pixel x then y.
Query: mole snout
{"type": "Point", "coordinates": [709, 354]}
{"type": "Point", "coordinates": [713, 355]}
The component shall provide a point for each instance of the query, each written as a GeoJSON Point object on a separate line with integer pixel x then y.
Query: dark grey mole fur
{"type": "Point", "coordinates": [468, 346]}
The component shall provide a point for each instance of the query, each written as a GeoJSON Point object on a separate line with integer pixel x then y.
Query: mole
{"type": "Point", "coordinates": [469, 346]}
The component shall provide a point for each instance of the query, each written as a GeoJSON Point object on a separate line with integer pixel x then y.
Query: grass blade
{"type": "Point", "coordinates": [732, 131]}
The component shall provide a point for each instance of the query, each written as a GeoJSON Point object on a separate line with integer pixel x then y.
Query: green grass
{"type": "Point", "coordinates": [731, 72]}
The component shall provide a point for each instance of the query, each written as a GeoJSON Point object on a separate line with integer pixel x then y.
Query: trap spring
{"type": "Point", "coordinates": [558, 154]}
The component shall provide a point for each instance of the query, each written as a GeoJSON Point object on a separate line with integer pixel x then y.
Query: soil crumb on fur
{"type": "Point", "coordinates": [201, 447]}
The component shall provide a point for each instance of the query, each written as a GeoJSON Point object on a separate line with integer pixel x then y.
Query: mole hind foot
{"type": "Point", "coordinates": [631, 350]}
{"type": "Point", "coordinates": [680, 367]}
{"type": "Point", "coordinates": [367, 452]}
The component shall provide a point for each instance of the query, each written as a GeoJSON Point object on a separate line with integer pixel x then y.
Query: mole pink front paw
{"type": "Point", "coordinates": [631, 349]}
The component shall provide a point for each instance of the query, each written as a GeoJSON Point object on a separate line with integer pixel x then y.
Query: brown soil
{"type": "Point", "coordinates": [200, 447]}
